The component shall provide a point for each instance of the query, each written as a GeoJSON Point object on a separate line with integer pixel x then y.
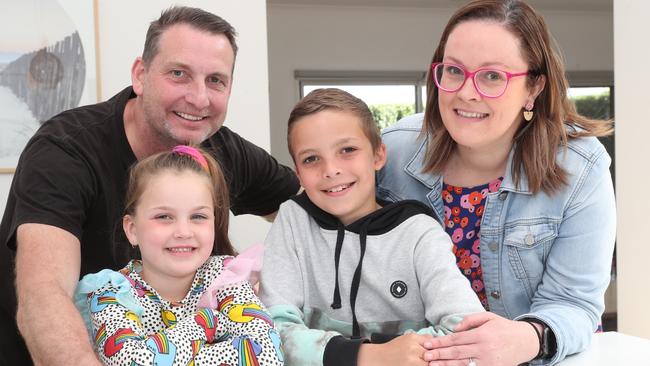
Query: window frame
{"type": "Point", "coordinates": [594, 79]}
{"type": "Point", "coordinates": [348, 77]}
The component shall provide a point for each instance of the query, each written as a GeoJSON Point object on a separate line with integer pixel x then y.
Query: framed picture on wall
{"type": "Point", "coordinates": [47, 65]}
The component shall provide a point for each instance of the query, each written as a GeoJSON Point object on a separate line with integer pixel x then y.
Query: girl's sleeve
{"type": "Point", "coordinates": [120, 339]}
{"type": "Point", "coordinates": [446, 293]}
{"type": "Point", "coordinates": [248, 336]}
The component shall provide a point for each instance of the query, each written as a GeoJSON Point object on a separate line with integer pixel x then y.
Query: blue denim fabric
{"type": "Point", "coordinates": [544, 257]}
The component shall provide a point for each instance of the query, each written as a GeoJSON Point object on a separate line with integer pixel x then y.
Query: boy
{"type": "Point", "coordinates": [392, 270]}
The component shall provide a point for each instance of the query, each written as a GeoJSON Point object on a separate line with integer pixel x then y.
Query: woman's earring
{"type": "Point", "coordinates": [528, 112]}
{"type": "Point", "coordinates": [133, 245]}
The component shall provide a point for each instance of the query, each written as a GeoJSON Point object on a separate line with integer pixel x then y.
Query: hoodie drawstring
{"type": "Point", "coordinates": [336, 301]}
{"type": "Point", "coordinates": [356, 280]}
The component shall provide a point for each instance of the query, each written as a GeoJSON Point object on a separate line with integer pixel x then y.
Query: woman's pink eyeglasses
{"type": "Point", "coordinates": [490, 83]}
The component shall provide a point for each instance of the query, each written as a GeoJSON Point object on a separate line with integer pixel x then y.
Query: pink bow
{"type": "Point", "coordinates": [244, 267]}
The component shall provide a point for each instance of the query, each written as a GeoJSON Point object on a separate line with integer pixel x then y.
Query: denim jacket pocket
{"type": "Point", "coordinates": [527, 246]}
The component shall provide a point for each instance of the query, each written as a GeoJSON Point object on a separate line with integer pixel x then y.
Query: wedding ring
{"type": "Point", "coordinates": [471, 362]}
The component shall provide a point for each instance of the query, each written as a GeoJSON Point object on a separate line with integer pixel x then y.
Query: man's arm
{"type": "Point", "coordinates": [258, 182]}
{"type": "Point", "coordinates": [271, 217]}
{"type": "Point", "coordinates": [48, 261]}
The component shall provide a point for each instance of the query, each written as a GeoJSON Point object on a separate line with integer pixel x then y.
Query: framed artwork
{"type": "Point", "coordinates": [47, 65]}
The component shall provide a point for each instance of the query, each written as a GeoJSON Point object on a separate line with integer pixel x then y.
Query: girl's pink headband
{"type": "Point", "coordinates": [194, 154]}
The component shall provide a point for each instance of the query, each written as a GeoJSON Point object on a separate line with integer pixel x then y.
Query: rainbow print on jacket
{"type": "Point", "coordinates": [101, 335]}
{"type": "Point", "coordinates": [243, 313]}
{"type": "Point", "coordinates": [248, 351]}
{"type": "Point", "coordinates": [196, 347]}
{"type": "Point", "coordinates": [101, 301]}
{"type": "Point", "coordinates": [164, 351]}
{"type": "Point", "coordinates": [206, 319]}
{"type": "Point", "coordinates": [115, 342]}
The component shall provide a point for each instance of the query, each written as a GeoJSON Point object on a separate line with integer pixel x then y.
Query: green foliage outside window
{"type": "Point", "coordinates": [387, 114]}
{"type": "Point", "coordinates": [594, 106]}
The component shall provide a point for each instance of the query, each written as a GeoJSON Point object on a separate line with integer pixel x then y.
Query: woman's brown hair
{"type": "Point", "coordinates": [141, 173]}
{"type": "Point", "coordinates": [555, 121]}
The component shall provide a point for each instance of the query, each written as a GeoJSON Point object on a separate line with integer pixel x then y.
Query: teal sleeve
{"type": "Point", "coordinates": [311, 347]}
{"type": "Point", "coordinates": [93, 282]}
{"type": "Point", "coordinates": [446, 326]}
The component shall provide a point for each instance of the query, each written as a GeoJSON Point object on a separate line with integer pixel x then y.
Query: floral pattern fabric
{"type": "Point", "coordinates": [463, 211]}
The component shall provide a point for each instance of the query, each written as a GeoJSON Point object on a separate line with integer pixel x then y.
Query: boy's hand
{"type": "Point", "coordinates": [407, 349]}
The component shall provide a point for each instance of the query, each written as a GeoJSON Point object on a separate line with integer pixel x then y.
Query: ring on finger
{"type": "Point", "coordinates": [471, 362]}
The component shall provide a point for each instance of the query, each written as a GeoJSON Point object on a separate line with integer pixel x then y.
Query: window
{"type": "Point", "coordinates": [593, 94]}
{"type": "Point", "coordinates": [389, 95]}
{"type": "Point", "coordinates": [393, 95]}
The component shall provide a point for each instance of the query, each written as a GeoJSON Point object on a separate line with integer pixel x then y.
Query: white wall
{"type": "Point", "coordinates": [631, 28]}
{"type": "Point", "coordinates": [122, 28]}
{"type": "Point", "coordinates": [5, 183]}
{"type": "Point", "coordinates": [393, 39]}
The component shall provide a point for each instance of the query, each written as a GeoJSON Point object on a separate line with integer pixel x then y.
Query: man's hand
{"type": "Point", "coordinates": [48, 261]}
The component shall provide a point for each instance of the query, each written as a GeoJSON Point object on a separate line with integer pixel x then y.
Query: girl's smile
{"type": "Point", "coordinates": [173, 226]}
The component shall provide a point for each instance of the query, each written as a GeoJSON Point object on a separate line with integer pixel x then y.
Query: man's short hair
{"type": "Point", "coordinates": [338, 100]}
{"type": "Point", "coordinates": [195, 17]}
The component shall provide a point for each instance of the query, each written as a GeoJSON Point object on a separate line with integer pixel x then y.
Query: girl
{"type": "Point", "coordinates": [146, 314]}
{"type": "Point", "coordinates": [520, 182]}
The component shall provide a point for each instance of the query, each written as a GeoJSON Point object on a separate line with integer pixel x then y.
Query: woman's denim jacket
{"type": "Point", "coordinates": [543, 256]}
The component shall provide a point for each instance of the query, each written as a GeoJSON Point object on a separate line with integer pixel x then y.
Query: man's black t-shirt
{"type": "Point", "coordinates": [73, 175]}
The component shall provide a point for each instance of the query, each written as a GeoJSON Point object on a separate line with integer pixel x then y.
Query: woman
{"type": "Point", "coordinates": [520, 182]}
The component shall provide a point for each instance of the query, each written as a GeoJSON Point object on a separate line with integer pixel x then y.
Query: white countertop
{"type": "Point", "coordinates": [612, 348]}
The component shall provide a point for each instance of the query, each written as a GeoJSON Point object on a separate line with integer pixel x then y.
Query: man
{"type": "Point", "coordinates": [68, 190]}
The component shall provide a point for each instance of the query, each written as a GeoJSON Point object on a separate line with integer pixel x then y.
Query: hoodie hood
{"type": "Point", "coordinates": [381, 221]}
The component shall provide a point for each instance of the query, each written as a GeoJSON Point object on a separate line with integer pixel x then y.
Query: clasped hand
{"type": "Point", "coordinates": [489, 339]}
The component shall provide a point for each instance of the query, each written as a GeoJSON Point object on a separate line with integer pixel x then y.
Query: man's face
{"type": "Point", "coordinates": [185, 88]}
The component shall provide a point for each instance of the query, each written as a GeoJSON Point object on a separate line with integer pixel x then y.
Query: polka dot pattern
{"type": "Point", "coordinates": [238, 332]}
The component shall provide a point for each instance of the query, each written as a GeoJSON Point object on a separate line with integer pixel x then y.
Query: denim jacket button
{"type": "Point", "coordinates": [503, 195]}
{"type": "Point", "coordinates": [495, 294]}
{"type": "Point", "coordinates": [493, 246]}
{"type": "Point", "coordinates": [529, 239]}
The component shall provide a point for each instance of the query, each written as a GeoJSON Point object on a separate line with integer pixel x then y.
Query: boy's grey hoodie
{"type": "Point", "coordinates": [331, 287]}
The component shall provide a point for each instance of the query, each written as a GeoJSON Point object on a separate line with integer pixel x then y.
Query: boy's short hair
{"type": "Point", "coordinates": [335, 99]}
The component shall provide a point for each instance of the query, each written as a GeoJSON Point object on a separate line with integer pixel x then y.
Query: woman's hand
{"type": "Point", "coordinates": [488, 339]}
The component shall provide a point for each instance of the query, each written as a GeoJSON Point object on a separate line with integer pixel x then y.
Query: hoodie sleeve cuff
{"type": "Point", "coordinates": [380, 338]}
{"type": "Point", "coordinates": [341, 351]}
